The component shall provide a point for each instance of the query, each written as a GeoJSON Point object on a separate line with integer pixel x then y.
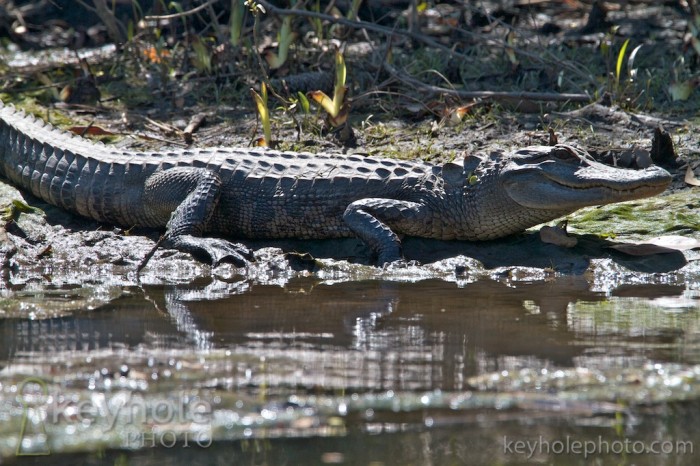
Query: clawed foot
{"type": "Point", "coordinates": [386, 258]}
{"type": "Point", "coordinates": [393, 259]}
{"type": "Point", "coordinates": [212, 250]}
{"type": "Point", "coordinates": [399, 264]}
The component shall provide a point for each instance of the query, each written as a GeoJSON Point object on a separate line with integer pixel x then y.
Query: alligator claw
{"type": "Point", "coordinates": [399, 264]}
{"type": "Point", "coordinates": [212, 250]}
{"type": "Point", "coordinates": [388, 259]}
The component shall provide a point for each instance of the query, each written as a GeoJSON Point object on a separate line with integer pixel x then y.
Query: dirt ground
{"type": "Point", "coordinates": [532, 66]}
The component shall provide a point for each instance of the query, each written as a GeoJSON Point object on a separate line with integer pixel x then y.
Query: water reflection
{"type": "Point", "coordinates": [423, 335]}
{"type": "Point", "coordinates": [442, 352]}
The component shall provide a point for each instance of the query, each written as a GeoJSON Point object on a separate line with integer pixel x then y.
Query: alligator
{"type": "Point", "coordinates": [259, 193]}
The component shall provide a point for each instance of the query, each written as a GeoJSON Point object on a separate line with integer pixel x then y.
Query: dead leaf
{"type": "Point", "coordinates": [45, 252]}
{"type": "Point", "coordinates": [557, 235]}
{"type": "Point", "coordinates": [414, 108]}
{"type": "Point", "coordinates": [678, 242]}
{"type": "Point", "coordinates": [690, 177]}
{"type": "Point", "coordinates": [454, 115]}
{"type": "Point", "coordinates": [91, 130]}
{"type": "Point", "coordinates": [659, 245]}
{"type": "Point", "coordinates": [155, 55]}
{"type": "Point", "coordinates": [682, 90]}
{"type": "Point", "coordinates": [322, 99]}
{"type": "Point", "coordinates": [641, 249]}
{"type": "Point", "coordinates": [459, 113]}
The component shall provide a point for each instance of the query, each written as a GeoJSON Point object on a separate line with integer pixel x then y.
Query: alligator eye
{"type": "Point", "coordinates": [566, 154]}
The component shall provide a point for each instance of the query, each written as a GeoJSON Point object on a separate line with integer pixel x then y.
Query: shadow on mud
{"type": "Point", "coordinates": [524, 250]}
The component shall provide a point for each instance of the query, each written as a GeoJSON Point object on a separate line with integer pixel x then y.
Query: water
{"type": "Point", "coordinates": [495, 370]}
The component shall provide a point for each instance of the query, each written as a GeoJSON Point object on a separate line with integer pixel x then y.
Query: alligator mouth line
{"type": "Point", "coordinates": [634, 189]}
{"type": "Point", "coordinates": [632, 186]}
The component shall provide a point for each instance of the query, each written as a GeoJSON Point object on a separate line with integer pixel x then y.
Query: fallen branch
{"type": "Point", "coordinates": [182, 13]}
{"type": "Point", "coordinates": [194, 124]}
{"type": "Point", "coordinates": [148, 256]}
{"type": "Point", "coordinates": [493, 95]}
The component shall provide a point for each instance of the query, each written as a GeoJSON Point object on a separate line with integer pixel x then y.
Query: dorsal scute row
{"type": "Point", "coordinates": [255, 162]}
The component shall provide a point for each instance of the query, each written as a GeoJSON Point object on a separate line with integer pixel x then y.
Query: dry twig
{"type": "Point", "coordinates": [493, 95]}
{"type": "Point", "coordinates": [107, 17]}
{"type": "Point", "coordinates": [182, 13]}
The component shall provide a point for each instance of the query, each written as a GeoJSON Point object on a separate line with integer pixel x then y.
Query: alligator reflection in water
{"type": "Point", "coordinates": [432, 334]}
{"type": "Point", "coordinates": [424, 335]}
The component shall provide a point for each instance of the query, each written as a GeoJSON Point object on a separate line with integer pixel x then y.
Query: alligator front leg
{"type": "Point", "coordinates": [376, 221]}
{"type": "Point", "coordinates": [189, 197]}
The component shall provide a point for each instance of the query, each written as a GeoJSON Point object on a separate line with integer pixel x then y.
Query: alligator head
{"type": "Point", "coordinates": [564, 178]}
{"type": "Point", "coordinates": [538, 184]}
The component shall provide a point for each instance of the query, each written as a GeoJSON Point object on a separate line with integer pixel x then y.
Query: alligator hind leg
{"type": "Point", "coordinates": [189, 197]}
{"type": "Point", "coordinates": [372, 220]}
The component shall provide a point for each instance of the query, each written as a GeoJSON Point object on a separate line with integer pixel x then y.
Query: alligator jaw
{"type": "Point", "coordinates": [596, 184]}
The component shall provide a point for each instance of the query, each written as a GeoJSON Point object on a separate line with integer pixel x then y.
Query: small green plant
{"type": "Point", "coordinates": [236, 23]}
{"type": "Point", "coordinates": [304, 102]}
{"type": "Point", "coordinates": [510, 51]}
{"type": "Point", "coordinates": [620, 58]}
{"type": "Point", "coordinates": [14, 208]}
{"type": "Point", "coordinates": [682, 87]}
{"type": "Point", "coordinates": [202, 56]}
{"type": "Point", "coordinates": [354, 9]}
{"type": "Point", "coordinates": [336, 108]}
{"type": "Point", "coordinates": [285, 39]}
{"type": "Point", "coordinates": [316, 22]}
{"type": "Point", "coordinates": [682, 90]}
{"type": "Point", "coordinates": [618, 85]}
{"type": "Point", "coordinates": [264, 112]}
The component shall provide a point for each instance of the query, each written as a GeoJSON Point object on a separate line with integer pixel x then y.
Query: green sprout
{"type": "Point", "coordinates": [261, 105]}
{"type": "Point", "coordinates": [286, 37]}
{"type": "Point", "coordinates": [13, 209]}
{"type": "Point", "coordinates": [316, 22]}
{"type": "Point", "coordinates": [354, 9]}
{"type": "Point", "coordinates": [618, 83]}
{"type": "Point", "coordinates": [510, 50]}
{"type": "Point", "coordinates": [202, 56]}
{"type": "Point", "coordinates": [620, 59]}
{"type": "Point", "coordinates": [304, 102]}
{"type": "Point", "coordinates": [337, 108]}
{"type": "Point", "coordinates": [237, 12]}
